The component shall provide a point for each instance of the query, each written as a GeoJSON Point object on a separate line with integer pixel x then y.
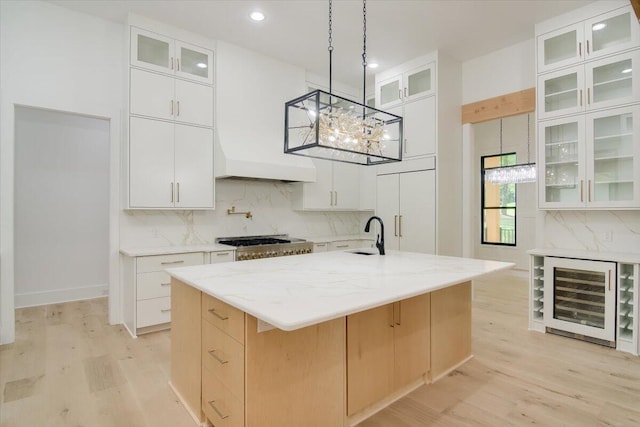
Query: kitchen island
{"type": "Point", "coordinates": [322, 339]}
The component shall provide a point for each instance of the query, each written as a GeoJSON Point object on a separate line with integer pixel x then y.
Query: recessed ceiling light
{"type": "Point", "coordinates": [627, 70]}
{"type": "Point", "coordinates": [373, 65]}
{"type": "Point", "coordinates": [257, 16]}
{"type": "Point", "coordinates": [598, 26]}
{"type": "Point", "coordinates": [201, 65]}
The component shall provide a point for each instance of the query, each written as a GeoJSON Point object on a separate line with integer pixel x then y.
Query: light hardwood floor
{"type": "Point", "coordinates": [69, 368]}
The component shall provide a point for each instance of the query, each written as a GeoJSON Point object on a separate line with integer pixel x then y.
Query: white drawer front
{"type": "Point", "coordinates": [153, 311]}
{"type": "Point", "coordinates": [153, 285]}
{"type": "Point", "coordinates": [222, 256]}
{"type": "Point", "coordinates": [147, 264]}
{"type": "Point", "coordinates": [344, 245]}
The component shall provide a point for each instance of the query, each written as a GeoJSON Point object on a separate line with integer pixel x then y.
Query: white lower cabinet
{"type": "Point", "coordinates": [147, 287]}
{"type": "Point", "coordinates": [406, 204]}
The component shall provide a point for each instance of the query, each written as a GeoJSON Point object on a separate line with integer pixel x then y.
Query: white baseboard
{"type": "Point", "coordinates": [56, 296]}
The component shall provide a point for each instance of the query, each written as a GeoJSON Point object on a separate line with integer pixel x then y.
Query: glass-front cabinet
{"type": "Point", "coordinates": [602, 35]}
{"type": "Point", "coordinates": [162, 54]}
{"type": "Point", "coordinates": [599, 84]}
{"type": "Point", "coordinates": [413, 84]}
{"type": "Point", "coordinates": [590, 161]}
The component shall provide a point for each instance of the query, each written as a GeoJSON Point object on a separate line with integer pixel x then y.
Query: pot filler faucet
{"type": "Point", "coordinates": [380, 241]}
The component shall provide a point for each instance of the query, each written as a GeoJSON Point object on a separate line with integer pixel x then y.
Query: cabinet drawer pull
{"type": "Point", "coordinates": [580, 49]}
{"type": "Point", "coordinates": [172, 63]}
{"type": "Point", "coordinates": [165, 310]}
{"type": "Point", "coordinates": [172, 192]}
{"type": "Point", "coordinates": [589, 189]}
{"type": "Point", "coordinates": [220, 414]}
{"type": "Point", "coordinates": [222, 254]}
{"type": "Point", "coordinates": [171, 102]}
{"type": "Point", "coordinates": [213, 354]}
{"type": "Point", "coordinates": [165, 284]}
{"type": "Point", "coordinates": [588, 96]}
{"type": "Point", "coordinates": [178, 108]}
{"type": "Point", "coordinates": [581, 97]}
{"type": "Point", "coordinates": [177, 192]}
{"type": "Point", "coordinates": [399, 93]}
{"type": "Point", "coordinates": [405, 92]}
{"type": "Point", "coordinates": [395, 225]}
{"type": "Point", "coordinates": [587, 47]}
{"type": "Point", "coordinates": [178, 64]}
{"type": "Point", "coordinates": [336, 203]}
{"type": "Point", "coordinates": [218, 315]}
{"type": "Point", "coordinates": [342, 246]}
{"type": "Point", "coordinates": [581, 190]}
{"type": "Point", "coordinates": [400, 225]}
{"type": "Point", "coordinates": [180, 261]}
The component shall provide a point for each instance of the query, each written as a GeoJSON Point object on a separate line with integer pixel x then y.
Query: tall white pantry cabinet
{"type": "Point", "coordinates": [171, 117]}
{"type": "Point", "coordinates": [419, 201]}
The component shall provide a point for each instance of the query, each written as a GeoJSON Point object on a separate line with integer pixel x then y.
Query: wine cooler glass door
{"type": "Point", "coordinates": [581, 297]}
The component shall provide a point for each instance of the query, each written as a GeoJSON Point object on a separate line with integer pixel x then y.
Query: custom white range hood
{"type": "Point", "coordinates": [251, 90]}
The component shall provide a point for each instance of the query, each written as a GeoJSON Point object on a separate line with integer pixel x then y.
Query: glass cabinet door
{"type": "Point", "coordinates": [561, 168]}
{"type": "Point", "coordinates": [151, 51]}
{"type": "Point", "coordinates": [560, 48]}
{"type": "Point", "coordinates": [389, 92]}
{"type": "Point", "coordinates": [194, 63]}
{"type": "Point", "coordinates": [611, 32]}
{"type": "Point", "coordinates": [613, 81]}
{"type": "Point", "coordinates": [419, 82]}
{"type": "Point", "coordinates": [561, 92]}
{"type": "Point", "coordinates": [613, 158]}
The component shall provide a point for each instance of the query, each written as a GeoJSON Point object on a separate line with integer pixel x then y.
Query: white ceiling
{"type": "Point", "coordinates": [295, 31]}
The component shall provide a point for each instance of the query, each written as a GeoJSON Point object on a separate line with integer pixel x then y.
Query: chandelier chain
{"type": "Point", "coordinates": [364, 52]}
{"type": "Point", "coordinates": [330, 44]}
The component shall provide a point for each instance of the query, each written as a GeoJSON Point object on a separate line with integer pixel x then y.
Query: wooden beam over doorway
{"type": "Point", "coordinates": [511, 104]}
{"type": "Point", "coordinates": [636, 7]}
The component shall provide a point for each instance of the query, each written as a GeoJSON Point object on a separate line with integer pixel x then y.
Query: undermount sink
{"type": "Point", "coordinates": [361, 253]}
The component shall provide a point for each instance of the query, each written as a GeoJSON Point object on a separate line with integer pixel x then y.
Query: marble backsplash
{"type": "Point", "coordinates": [270, 206]}
{"type": "Point", "coordinates": [598, 231]}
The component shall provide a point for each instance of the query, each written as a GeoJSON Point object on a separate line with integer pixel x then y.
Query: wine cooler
{"type": "Point", "coordinates": [580, 299]}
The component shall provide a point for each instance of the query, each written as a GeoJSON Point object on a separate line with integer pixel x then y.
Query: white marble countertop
{"type": "Point", "coordinates": [167, 250]}
{"type": "Point", "coordinates": [297, 291]}
{"type": "Point", "coordinates": [327, 239]}
{"type": "Point", "coordinates": [631, 258]}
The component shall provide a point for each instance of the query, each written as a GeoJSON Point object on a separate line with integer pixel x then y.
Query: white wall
{"type": "Point", "coordinates": [61, 207]}
{"type": "Point", "coordinates": [504, 71]}
{"type": "Point", "coordinates": [54, 58]}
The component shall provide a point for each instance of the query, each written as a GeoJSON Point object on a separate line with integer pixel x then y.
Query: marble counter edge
{"type": "Point", "coordinates": [291, 326]}
{"type": "Point", "coordinates": [624, 257]}
{"type": "Point", "coordinates": [169, 250]}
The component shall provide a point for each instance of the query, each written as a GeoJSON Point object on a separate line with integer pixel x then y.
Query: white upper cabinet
{"type": "Point", "coordinates": [604, 34]}
{"type": "Point", "coordinates": [591, 161]}
{"type": "Point", "coordinates": [337, 188]}
{"type": "Point", "coordinates": [166, 55]}
{"type": "Point", "coordinates": [608, 82]}
{"type": "Point", "coordinates": [406, 86]}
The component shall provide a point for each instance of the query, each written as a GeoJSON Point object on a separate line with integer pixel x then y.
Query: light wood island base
{"type": "Point", "coordinates": [335, 373]}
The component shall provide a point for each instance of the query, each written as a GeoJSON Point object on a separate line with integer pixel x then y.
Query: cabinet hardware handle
{"type": "Point", "coordinates": [218, 315]}
{"type": "Point", "coordinates": [330, 198]}
{"type": "Point", "coordinates": [393, 316]}
{"type": "Point", "coordinates": [336, 193]}
{"type": "Point", "coordinates": [172, 192]}
{"type": "Point", "coordinates": [180, 261]}
{"type": "Point", "coordinates": [405, 92]}
{"type": "Point", "coordinates": [178, 64]}
{"type": "Point", "coordinates": [399, 321]}
{"type": "Point", "coordinates": [581, 97]}
{"type": "Point", "coordinates": [342, 246]}
{"type": "Point", "coordinates": [166, 310]}
{"type": "Point", "coordinates": [399, 93]}
{"type": "Point", "coordinates": [581, 191]}
{"type": "Point", "coordinates": [213, 354]}
{"type": "Point", "coordinates": [177, 192]}
{"type": "Point", "coordinates": [178, 104]}
{"type": "Point", "coordinates": [220, 414]}
{"type": "Point", "coordinates": [171, 107]}
{"type": "Point", "coordinates": [395, 225]}
{"type": "Point", "coordinates": [222, 254]}
{"type": "Point", "coordinates": [589, 189]}
{"type": "Point", "coordinates": [165, 284]}
{"type": "Point", "coordinates": [588, 96]}
{"type": "Point", "coordinates": [400, 225]}
{"type": "Point", "coordinates": [580, 49]}
{"type": "Point", "coordinates": [587, 47]}
{"type": "Point", "coordinates": [171, 60]}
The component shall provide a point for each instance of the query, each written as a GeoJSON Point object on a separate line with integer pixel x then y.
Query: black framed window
{"type": "Point", "coordinates": [498, 208]}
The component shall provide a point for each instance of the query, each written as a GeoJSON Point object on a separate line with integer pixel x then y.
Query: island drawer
{"type": "Point", "coordinates": [229, 319]}
{"type": "Point", "coordinates": [153, 311]}
{"type": "Point", "coordinates": [153, 285]}
{"type": "Point", "coordinates": [224, 357]}
{"type": "Point", "coordinates": [147, 264]}
{"type": "Point", "coordinates": [219, 405]}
